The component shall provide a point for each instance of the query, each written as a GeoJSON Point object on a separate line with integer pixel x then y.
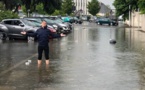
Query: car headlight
{"type": "Point", "coordinates": [55, 26]}
{"type": "Point", "coordinates": [65, 28]}
{"type": "Point", "coordinates": [4, 27]}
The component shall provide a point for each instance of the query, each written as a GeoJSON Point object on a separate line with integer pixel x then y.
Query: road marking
{"type": "Point", "coordinates": [18, 64]}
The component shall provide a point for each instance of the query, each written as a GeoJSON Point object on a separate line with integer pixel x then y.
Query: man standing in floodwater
{"type": "Point", "coordinates": [43, 38]}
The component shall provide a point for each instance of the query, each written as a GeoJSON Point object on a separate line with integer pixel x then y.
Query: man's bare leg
{"type": "Point", "coordinates": [47, 65]}
{"type": "Point", "coordinates": [47, 62]}
{"type": "Point", "coordinates": [39, 63]}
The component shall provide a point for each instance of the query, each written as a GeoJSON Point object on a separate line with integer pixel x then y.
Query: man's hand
{"type": "Point", "coordinates": [24, 33]}
{"type": "Point", "coordinates": [62, 35]}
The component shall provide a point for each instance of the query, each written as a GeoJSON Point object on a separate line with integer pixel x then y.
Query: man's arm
{"type": "Point", "coordinates": [56, 35]}
{"type": "Point", "coordinates": [30, 34]}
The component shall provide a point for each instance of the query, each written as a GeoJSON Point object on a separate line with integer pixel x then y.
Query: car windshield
{"type": "Point", "coordinates": [37, 22]}
{"type": "Point", "coordinates": [75, 18]}
{"type": "Point", "coordinates": [48, 20]}
{"type": "Point", "coordinates": [29, 23]}
{"type": "Point", "coordinates": [58, 21]}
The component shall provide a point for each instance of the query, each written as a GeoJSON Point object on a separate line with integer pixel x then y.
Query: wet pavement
{"type": "Point", "coordinates": [83, 60]}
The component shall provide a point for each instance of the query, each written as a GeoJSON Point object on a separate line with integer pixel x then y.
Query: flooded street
{"type": "Point", "coordinates": [83, 60]}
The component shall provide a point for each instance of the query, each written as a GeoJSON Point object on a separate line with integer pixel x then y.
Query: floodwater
{"type": "Point", "coordinates": [83, 60]}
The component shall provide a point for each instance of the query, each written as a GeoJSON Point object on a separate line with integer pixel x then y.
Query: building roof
{"type": "Point", "coordinates": [104, 9]}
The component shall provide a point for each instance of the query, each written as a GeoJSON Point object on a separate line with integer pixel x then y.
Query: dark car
{"type": "Point", "coordinates": [37, 22]}
{"type": "Point", "coordinates": [12, 28]}
{"type": "Point", "coordinates": [108, 21]}
{"type": "Point", "coordinates": [78, 21]}
{"type": "Point", "coordinates": [68, 19]}
{"type": "Point", "coordinates": [60, 28]}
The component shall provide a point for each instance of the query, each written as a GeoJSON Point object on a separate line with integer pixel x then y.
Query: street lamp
{"type": "Point", "coordinates": [129, 16]}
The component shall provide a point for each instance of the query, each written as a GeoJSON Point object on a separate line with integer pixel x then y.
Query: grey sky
{"type": "Point", "coordinates": [108, 2]}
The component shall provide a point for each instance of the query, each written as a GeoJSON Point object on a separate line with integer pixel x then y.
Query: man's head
{"type": "Point", "coordinates": [44, 24]}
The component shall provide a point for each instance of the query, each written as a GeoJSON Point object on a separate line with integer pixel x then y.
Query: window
{"type": "Point", "coordinates": [8, 22]}
{"type": "Point", "coordinates": [17, 22]}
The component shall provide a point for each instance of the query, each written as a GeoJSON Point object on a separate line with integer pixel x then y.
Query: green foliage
{"type": "Point", "coordinates": [7, 15]}
{"type": "Point", "coordinates": [4, 14]}
{"type": "Point", "coordinates": [49, 8]}
{"type": "Point", "coordinates": [23, 9]}
{"type": "Point", "coordinates": [39, 8]}
{"type": "Point", "coordinates": [42, 6]}
{"type": "Point", "coordinates": [57, 12]}
{"type": "Point", "coordinates": [67, 6]}
{"type": "Point", "coordinates": [122, 7]}
{"type": "Point", "coordinates": [141, 4]}
{"type": "Point", "coordinates": [93, 7]}
{"type": "Point", "coordinates": [51, 5]}
{"type": "Point", "coordinates": [1, 6]}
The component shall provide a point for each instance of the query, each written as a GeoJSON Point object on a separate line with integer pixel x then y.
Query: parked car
{"type": "Point", "coordinates": [54, 17]}
{"type": "Point", "coordinates": [3, 35]}
{"type": "Point", "coordinates": [108, 21]}
{"type": "Point", "coordinates": [68, 19]}
{"type": "Point", "coordinates": [12, 28]}
{"type": "Point", "coordinates": [84, 18]}
{"type": "Point", "coordinates": [37, 22]}
{"type": "Point", "coordinates": [60, 28]}
{"type": "Point", "coordinates": [93, 19]}
{"type": "Point", "coordinates": [97, 19]}
{"type": "Point", "coordinates": [67, 26]}
{"type": "Point", "coordinates": [78, 21]}
{"type": "Point", "coordinates": [115, 21]}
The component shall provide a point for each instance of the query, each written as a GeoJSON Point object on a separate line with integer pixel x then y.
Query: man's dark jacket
{"type": "Point", "coordinates": [42, 35]}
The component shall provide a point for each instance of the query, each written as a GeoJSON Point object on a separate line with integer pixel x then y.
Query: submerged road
{"type": "Point", "coordinates": [83, 60]}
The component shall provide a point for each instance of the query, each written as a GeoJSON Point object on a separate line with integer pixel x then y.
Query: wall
{"type": "Point", "coordinates": [137, 20]}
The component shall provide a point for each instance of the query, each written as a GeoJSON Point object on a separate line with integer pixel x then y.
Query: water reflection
{"type": "Point", "coordinates": [83, 60]}
{"type": "Point", "coordinates": [132, 44]}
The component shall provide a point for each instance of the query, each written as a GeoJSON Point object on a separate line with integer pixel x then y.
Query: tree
{"type": "Point", "coordinates": [122, 7]}
{"type": "Point", "coordinates": [30, 4]}
{"type": "Point", "coordinates": [67, 6]}
{"type": "Point", "coordinates": [7, 14]}
{"type": "Point", "coordinates": [1, 6]}
{"type": "Point", "coordinates": [10, 4]}
{"type": "Point", "coordinates": [93, 7]}
{"type": "Point", "coordinates": [57, 12]}
{"type": "Point", "coordinates": [51, 5]}
{"type": "Point", "coordinates": [39, 8]}
{"type": "Point", "coordinates": [141, 4]}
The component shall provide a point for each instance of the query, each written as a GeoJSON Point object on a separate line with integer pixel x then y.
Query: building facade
{"type": "Point", "coordinates": [81, 5]}
{"type": "Point", "coordinates": [81, 8]}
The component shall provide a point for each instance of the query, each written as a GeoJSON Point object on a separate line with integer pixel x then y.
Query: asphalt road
{"type": "Point", "coordinates": [83, 60]}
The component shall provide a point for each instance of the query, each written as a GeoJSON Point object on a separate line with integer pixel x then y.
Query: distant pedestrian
{"type": "Point", "coordinates": [42, 35]}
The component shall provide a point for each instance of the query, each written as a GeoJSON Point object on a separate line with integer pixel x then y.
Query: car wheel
{"type": "Point", "coordinates": [3, 36]}
{"type": "Point", "coordinates": [10, 38]}
{"type": "Point", "coordinates": [30, 38]}
{"type": "Point", "coordinates": [80, 22]}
